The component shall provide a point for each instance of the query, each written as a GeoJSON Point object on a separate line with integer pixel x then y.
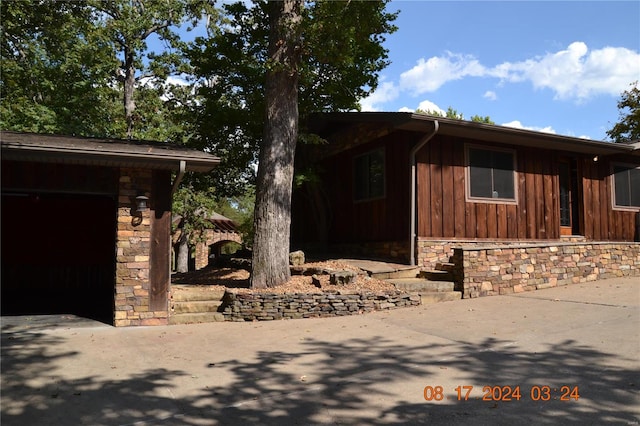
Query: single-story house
{"type": "Point", "coordinates": [86, 225]}
{"type": "Point", "coordinates": [412, 188]}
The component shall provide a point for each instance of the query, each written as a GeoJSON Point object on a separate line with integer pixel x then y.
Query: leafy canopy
{"type": "Point", "coordinates": [64, 64]}
{"type": "Point", "coordinates": [628, 128]}
{"type": "Point", "coordinates": [342, 54]}
{"type": "Point", "coordinates": [452, 113]}
{"type": "Point", "coordinates": [55, 74]}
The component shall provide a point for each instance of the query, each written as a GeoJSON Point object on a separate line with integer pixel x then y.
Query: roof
{"type": "Point", "coordinates": [105, 152]}
{"type": "Point", "coordinates": [472, 130]}
{"type": "Point", "coordinates": [220, 222]}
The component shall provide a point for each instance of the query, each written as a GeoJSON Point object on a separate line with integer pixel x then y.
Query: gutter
{"type": "Point", "coordinates": [412, 158]}
{"type": "Point", "coordinates": [179, 176]}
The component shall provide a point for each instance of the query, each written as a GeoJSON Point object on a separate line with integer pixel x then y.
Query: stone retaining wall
{"type": "Point", "coordinates": [241, 306]}
{"type": "Point", "coordinates": [499, 269]}
{"type": "Point", "coordinates": [433, 251]}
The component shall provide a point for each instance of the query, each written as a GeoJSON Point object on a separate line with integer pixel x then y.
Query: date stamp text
{"type": "Point", "coordinates": [503, 393]}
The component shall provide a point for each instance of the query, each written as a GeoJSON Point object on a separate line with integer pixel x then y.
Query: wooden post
{"type": "Point", "coordinates": [160, 241]}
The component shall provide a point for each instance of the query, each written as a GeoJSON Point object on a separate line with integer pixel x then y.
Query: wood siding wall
{"type": "Point", "coordinates": [444, 211]}
{"type": "Point", "coordinates": [601, 221]}
{"type": "Point", "coordinates": [383, 219]}
{"type": "Point", "coordinates": [160, 244]}
{"type": "Point", "coordinates": [442, 206]}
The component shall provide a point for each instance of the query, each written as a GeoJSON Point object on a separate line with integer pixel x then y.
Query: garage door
{"type": "Point", "coordinates": [58, 253]}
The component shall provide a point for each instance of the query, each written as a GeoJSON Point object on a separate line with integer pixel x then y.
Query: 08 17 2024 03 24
{"type": "Point", "coordinates": [503, 393]}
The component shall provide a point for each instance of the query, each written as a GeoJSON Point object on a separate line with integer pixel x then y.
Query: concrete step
{"type": "Point", "coordinates": [436, 275]}
{"type": "Point", "coordinates": [421, 285]}
{"type": "Point", "coordinates": [189, 294]}
{"type": "Point", "coordinates": [196, 306]}
{"type": "Point", "coordinates": [195, 318]}
{"type": "Point", "coordinates": [442, 296]}
{"type": "Point", "coordinates": [405, 272]}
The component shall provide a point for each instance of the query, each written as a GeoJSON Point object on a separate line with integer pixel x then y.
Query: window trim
{"type": "Point", "coordinates": [384, 176]}
{"type": "Point", "coordinates": [615, 206]}
{"type": "Point", "coordinates": [467, 171]}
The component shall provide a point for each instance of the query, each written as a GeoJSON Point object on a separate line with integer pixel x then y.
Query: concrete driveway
{"type": "Point", "coordinates": [581, 342]}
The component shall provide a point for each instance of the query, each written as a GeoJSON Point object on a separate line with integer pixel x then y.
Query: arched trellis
{"type": "Point", "coordinates": [224, 230]}
{"type": "Point", "coordinates": [213, 244]}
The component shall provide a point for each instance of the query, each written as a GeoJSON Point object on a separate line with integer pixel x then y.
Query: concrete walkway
{"type": "Point", "coordinates": [369, 369]}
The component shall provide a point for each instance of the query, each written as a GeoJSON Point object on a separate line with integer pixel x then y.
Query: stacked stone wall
{"type": "Point", "coordinates": [504, 269]}
{"type": "Point", "coordinates": [431, 252]}
{"type": "Point", "coordinates": [241, 306]}
{"type": "Point", "coordinates": [132, 254]}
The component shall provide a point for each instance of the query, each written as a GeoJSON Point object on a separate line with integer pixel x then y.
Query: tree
{"type": "Point", "coordinates": [480, 119]}
{"type": "Point", "coordinates": [452, 113]}
{"type": "Point", "coordinates": [231, 64]}
{"type": "Point", "coordinates": [65, 63]}
{"type": "Point", "coordinates": [335, 65]}
{"type": "Point", "coordinates": [194, 207]}
{"type": "Point", "coordinates": [234, 70]}
{"type": "Point", "coordinates": [127, 24]}
{"type": "Point", "coordinates": [55, 75]}
{"type": "Point", "coordinates": [194, 203]}
{"type": "Point", "coordinates": [628, 127]}
{"type": "Point", "coordinates": [272, 216]}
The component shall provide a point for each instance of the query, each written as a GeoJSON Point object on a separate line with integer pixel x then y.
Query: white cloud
{"type": "Point", "coordinates": [429, 75]}
{"type": "Point", "coordinates": [430, 106]}
{"type": "Point", "coordinates": [576, 72]}
{"type": "Point", "coordinates": [518, 125]}
{"type": "Point", "coordinates": [490, 94]}
{"type": "Point", "coordinates": [386, 91]}
{"type": "Point", "coordinates": [406, 109]}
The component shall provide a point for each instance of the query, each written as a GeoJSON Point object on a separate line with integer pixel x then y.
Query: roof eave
{"type": "Point", "coordinates": [75, 150]}
{"type": "Point", "coordinates": [480, 131]}
{"type": "Point", "coordinates": [530, 138]}
{"type": "Point", "coordinates": [108, 158]}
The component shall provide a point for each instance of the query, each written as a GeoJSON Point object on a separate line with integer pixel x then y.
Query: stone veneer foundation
{"type": "Point", "coordinates": [503, 269]}
{"type": "Point", "coordinates": [132, 254]}
{"type": "Point", "coordinates": [240, 306]}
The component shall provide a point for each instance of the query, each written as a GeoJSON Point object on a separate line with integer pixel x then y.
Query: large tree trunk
{"type": "Point", "coordinates": [129, 87]}
{"type": "Point", "coordinates": [272, 217]}
{"type": "Point", "coordinates": [182, 255]}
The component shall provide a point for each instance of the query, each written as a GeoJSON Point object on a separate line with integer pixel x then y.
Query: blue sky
{"type": "Point", "coordinates": [551, 66]}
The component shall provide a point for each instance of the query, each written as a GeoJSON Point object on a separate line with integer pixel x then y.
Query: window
{"type": "Point", "coordinates": [626, 182]}
{"type": "Point", "coordinates": [369, 175]}
{"type": "Point", "coordinates": [491, 174]}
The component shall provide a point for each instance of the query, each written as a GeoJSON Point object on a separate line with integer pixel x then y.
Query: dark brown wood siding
{"type": "Point", "coordinates": [443, 209]}
{"type": "Point", "coordinates": [347, 220]}
{"type": "Point", "coordinates": [445, 212]}
{"type": "Point", "coordinates": [601, 220]}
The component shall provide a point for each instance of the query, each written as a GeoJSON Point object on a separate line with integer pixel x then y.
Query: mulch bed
{"type": "Point", "coordinates": [224, 278]}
